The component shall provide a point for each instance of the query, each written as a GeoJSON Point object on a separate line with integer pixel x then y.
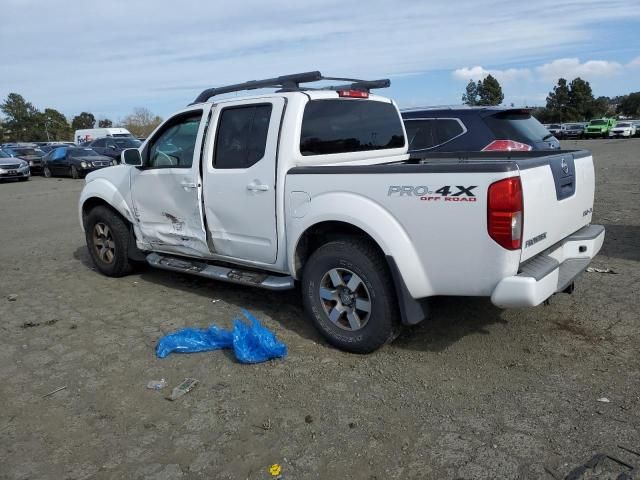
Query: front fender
{"type": "Point", "coordinates": [372, 218]}
{"type": "Point", "coordinates": [105, 190]}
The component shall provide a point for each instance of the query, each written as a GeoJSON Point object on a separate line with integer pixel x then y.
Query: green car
{"type": "Point", "coordinates": [599, 127]}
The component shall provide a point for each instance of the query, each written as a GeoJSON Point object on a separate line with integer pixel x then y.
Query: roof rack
{"type": "Point", "coordinates": [291, 83]}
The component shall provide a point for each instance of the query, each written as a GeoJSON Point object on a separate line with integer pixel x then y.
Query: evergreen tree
{"type": "Point", "coordinates": [490, 91]}
{"type": "Point", "coordinates": [84, 120]}
{"type": "Point", "coordinates": [470, 97]}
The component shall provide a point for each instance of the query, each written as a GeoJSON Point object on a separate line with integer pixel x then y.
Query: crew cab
{"type": "Point", "coordinates": [316, 187]}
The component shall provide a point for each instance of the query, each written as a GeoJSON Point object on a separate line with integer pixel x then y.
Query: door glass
{"type": "Point", "coordinates": [242, 136]}
{"type": "Point", "coordinates": [174, 146]}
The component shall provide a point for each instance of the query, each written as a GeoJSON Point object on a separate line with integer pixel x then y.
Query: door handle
{"type": "Point", "coordinates": [188, 185]}
{"type": "Point", "coordinates": [257, 187]}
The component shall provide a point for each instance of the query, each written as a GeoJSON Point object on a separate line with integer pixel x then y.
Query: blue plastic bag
{"type": "Point", "coordinates": [251, 343]}
{"type": "Point", "coordinates": [190, 340]}
{"type": "Point", "coordinates": [255, 344]}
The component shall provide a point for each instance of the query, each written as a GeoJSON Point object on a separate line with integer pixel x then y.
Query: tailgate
{"type": "Point", "coordinates": [558, 195]}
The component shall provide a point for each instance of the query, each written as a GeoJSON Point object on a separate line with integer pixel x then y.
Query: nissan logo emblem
{"type": "Point", "coordinates": [565, 166]}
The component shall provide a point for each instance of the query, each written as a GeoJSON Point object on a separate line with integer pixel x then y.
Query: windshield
{"type": "Point", "coordinates": [623, 125]}
{"type": "Point", "coordinates": [82, 152]}
{"type": "Point", "coordinates": [574, 126]}
{"type": "Point", "coordinates": [127, 142]}
{"type": "Point", "coordinates": [598, 122]}
{"type": "Point", "coordinates": [517, 125]}
{"type": "Point", "coordinates": [4, 154]}
{"type": "Point", "coordinates": [555, 127]}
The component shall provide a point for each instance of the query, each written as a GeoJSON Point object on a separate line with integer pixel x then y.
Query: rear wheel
{"type": "Point", "coordinates": [74, 172]}
{"type": "Point", "coordinates": [107, 236]}
{"type": "Point", "coordinates": [348, 293]}
{"type": "Point", "coordinates": [46, 172]}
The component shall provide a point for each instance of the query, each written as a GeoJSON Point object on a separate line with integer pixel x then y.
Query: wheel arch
{"type": "Point", "coordinates": [102, 192]}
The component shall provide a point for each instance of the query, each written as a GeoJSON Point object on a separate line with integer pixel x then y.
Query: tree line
{"type": "Point", "coordinates": [568, 101]}
{"type": "Point", "coordinates": [24, 122]}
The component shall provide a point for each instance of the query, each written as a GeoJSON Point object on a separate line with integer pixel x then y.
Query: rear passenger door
{"type": "Point", "coordinates": [240, 179]}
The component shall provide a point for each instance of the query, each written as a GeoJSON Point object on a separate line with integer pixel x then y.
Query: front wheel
{"type": "Point", "coordinates": [47, 172]}
{"type": "Point", "coordinates": [74, 172]}
{"type": "Point", "coordinates": [348, 293]}
{"type": "Point", "coordinates": [107, 236]}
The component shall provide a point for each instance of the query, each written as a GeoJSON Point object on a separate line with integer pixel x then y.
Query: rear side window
{"type": "Point", "coordinates": [518, 126]}
{"type": "Point", "coordinates": [428, 133]}
{"type": "Point", "coordinates": [343, 126]}
{"type": "Point", "coordinates": [421, 134]}
{"type": "Point", "coordinates": [447, 129]}
{"type": "Point", "coordinates": [242, 136]}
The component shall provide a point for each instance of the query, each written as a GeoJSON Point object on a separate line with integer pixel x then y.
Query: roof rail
{"type": "Point", "coordinates": [291, 83]}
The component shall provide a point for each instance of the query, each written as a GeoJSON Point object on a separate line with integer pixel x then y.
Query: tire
{"type": "Point", "coordinates": [349, 258]}
{"type": "Point", "coordinates": [74, 172]}
{"type": "Point", "coordinates": [47, 172]}
{"type": "Point", "coordinates": [107, 236]}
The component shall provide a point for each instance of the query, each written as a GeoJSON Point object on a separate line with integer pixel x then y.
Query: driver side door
{"type": "Point", "coordinates": [166, 190]}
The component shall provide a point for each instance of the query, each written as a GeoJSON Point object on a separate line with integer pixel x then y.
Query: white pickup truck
{"type": "Point", "coordinates": [315, 186]}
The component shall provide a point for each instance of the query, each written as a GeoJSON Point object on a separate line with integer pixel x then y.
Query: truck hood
{"type": "Point", "coordinates": [117, 175]}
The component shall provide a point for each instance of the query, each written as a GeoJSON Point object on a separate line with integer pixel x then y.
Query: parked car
{"type": "Point", "coordinates": [90, 134]}
{"type": "Point", "coordinates": [75, 162]}
{"type": "Point", "coordinates": [322, 193]}
{"type": "Point", "coordinates": [113, 147]}
{"type": "Point", "coordinates": [31, 155]}
{"type": "Point", "coordinates": [599, 127]}
{"type": "Point", "coordinates": [459, 129]}
{"type": "Point", "coordinates": [623, 129]}
{"type": "Point", "coordinates": [637, 125]}
{"type": "Point", "coordinates": [13, 168]}
{"type": "Point", "coordinates": [573, 130]}
{"type": "Point", "coordinates": [555, 129]}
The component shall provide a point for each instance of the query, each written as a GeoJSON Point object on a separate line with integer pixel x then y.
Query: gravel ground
{"type": "Point", "coordinates": [474, 393]}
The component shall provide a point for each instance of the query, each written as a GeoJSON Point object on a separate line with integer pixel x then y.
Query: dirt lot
{"type": "Point", "coordinates": [475, 393]}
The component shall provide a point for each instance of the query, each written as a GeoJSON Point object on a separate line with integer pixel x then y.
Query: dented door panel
{"type": "Point", "coordinates": [166, 201]}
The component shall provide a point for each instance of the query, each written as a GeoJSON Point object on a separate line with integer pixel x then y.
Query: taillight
{"type": "Point", "coordinates": [505, 212]}
{"type": "Point", "coordinates": [353, 93]}
{"type": "Point", "coordinates": [507, 146]}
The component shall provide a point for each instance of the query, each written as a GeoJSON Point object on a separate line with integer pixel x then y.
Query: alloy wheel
{"type": "Point", "coordinates": [345, 299]}
{"type": "Point", "coordinates": [103, 243]}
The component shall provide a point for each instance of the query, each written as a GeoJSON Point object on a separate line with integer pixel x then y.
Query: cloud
{"type": "Point", "coordinates": [635, 63]}
{"type": "Point", "coordinates": [571, 68]}
{"type": "Point", "coordinates": [503, 76]}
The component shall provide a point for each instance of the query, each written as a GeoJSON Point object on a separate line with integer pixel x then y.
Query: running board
{"type": "Point", "coordinates": [225, 274]}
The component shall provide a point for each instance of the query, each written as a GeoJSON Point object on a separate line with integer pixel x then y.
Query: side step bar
{"type": "Point", "coordinates": [225, 274]}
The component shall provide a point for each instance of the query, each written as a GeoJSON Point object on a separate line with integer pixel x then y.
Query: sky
{"type": "Point", "coordinates": [110, 57]}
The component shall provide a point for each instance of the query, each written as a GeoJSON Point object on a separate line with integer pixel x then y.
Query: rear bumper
{"type": "Point", "coordinates": [551, 271]}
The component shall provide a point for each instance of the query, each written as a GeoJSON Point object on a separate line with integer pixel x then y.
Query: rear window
{"type": "Point", "coordinates": [343, 126]}
{"type": "Point", "coordinates": [518, 126]}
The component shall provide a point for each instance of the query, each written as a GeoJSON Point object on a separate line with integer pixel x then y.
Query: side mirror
{"type": "Point", "coordinates": [112, 147]}
{"type": "Point", "coordinates": [131, 156]}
